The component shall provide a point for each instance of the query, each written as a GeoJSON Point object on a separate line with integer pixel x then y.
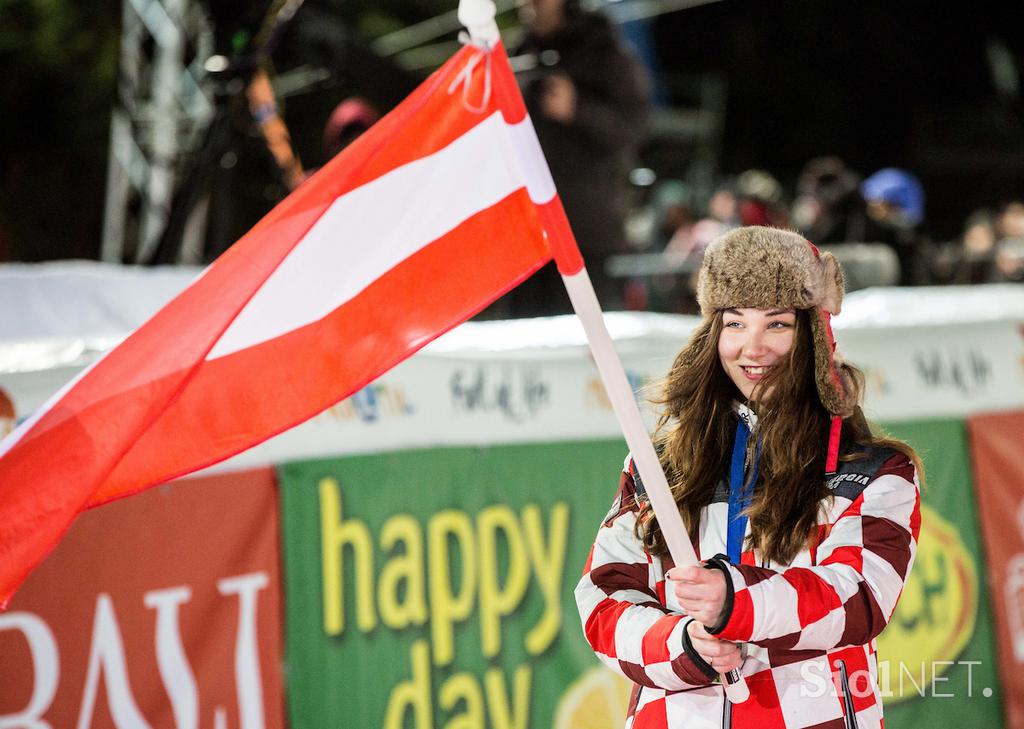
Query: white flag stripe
{"type": "Point", "coordinates": [526, 152]}
{"type": "Point", "coordinates": [371, 229]}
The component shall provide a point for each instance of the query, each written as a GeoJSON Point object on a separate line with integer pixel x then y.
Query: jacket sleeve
{"type": "Point", "coordinates": [849, 596]}
{"type": "Point", "coordinates": [621, 603]}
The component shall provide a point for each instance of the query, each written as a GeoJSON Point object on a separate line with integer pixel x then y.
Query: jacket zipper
{"type": "Point", "coordinates": [844, 682]}
{"type": "Point", "coordinates": [636, 701]}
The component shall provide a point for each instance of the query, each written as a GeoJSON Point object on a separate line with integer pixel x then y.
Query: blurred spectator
{"type": "Point", "coordinates": [723, 215]}
{"type": "Point", "coordinates": [350, 118]}
{"type": "Point", "coordinates": [674, 217]}
{"type": "Point", "coordinates": [945, 262]}
{"type": "Point", "coordinates": [587, 96]}
{"type": "Point", "coordinates": [1009, 250]}
{"type": "Point", "coordinates": [1011, 221]}
{"type": "Point", "coordinates": [895, 207]}
{"type": "Point", "coordinates": [978, 248]}
{"type": "Point", "coordinates": [991, 249]}
{"type": "Point", "coordinates": [1009, 261]}
{"type": "Point", "coordinates": [347, 121]}
{"type": "Point", "coordinates": [828, 206]}
{"type": "Point", "coordinates": [760, 200]}
{"type": "Point", "coordinates": [724, 207]}
{"type": "Point", "coordinates": [687, 245]}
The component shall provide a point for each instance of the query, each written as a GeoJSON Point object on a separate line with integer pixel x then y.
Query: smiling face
{"type": "Point", "coordinates": [752, 342]}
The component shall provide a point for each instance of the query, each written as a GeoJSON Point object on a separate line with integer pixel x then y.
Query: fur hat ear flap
{"type": "Point", "coordinates": [832, 284]}
{"type": "Point", "coordinates": [847, 387]}
{"type": "Point", "coordinates": [836, 385]}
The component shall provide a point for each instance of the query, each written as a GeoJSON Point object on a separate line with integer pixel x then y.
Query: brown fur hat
{"type": "Point", "coordinates": [764, 268]}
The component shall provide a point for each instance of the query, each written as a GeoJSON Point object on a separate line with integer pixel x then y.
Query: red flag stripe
{"type": "Point", "coordinates": [243, 398]}
{"type": "Point", "coordinates": [157, 407]}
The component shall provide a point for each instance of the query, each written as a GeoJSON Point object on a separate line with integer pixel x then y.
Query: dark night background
{"type": "Point", "coordinates": [878, 83]}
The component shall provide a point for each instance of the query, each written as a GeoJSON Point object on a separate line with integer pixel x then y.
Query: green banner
{"type": "Point", "coordinates": [936, 657]}
{"type": "Point", "coordinates": [434, 588]}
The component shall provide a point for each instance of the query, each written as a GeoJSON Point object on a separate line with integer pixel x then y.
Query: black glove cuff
{"type": "Point", "coordinates": [721, 562]}
{"type": "Point", "coordinates": [698, 660]}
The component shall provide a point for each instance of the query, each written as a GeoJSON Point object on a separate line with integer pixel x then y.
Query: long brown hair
{"type": "Point", "coordinates": [695, 433]}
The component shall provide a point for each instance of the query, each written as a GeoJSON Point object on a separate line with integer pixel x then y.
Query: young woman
{"type": "Point", "coordinates": [807, 523]}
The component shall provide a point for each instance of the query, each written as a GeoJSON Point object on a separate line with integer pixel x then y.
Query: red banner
{"type": "Point", "coordinates": [997, 445]}
{"type": "Point", "coordinates": [161, 610]}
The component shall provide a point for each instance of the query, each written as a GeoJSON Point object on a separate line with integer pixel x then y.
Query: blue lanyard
{"type": "Point", "coordinates": [739, 497]}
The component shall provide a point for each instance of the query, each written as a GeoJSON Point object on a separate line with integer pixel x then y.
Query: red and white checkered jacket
{"type": "Point", "coordinates": [798, 621]}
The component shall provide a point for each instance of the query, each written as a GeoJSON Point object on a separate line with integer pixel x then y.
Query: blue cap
{"type": "Point", "coordinates": [898, 188]}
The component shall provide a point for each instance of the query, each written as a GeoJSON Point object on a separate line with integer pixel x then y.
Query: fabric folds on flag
{"type": "Point", "coordinates": [440, 208]}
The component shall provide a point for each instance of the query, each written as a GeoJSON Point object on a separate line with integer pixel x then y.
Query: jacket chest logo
{"type": "Point", "coordinates": [834, 482]}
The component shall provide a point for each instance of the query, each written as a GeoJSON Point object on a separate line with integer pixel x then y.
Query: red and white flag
{"type": "Point", "coordinates": [440, 208]}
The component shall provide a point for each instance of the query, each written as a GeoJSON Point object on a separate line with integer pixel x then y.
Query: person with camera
{"type": "Point", "coordinates": [588, 97]}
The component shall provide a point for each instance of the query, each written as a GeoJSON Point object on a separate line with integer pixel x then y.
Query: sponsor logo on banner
{"type": "Point", "coordinates": [935, 617]}
{"type": "Point", "coordinates": [599, 699]}
{"type": "Point", "coordinates": [157, 611]}
{"type": "Point", "coordinates": [516, 393]}
{"type": "Point", "coordinates": [373, 403]}
{"type": "Point", "coordinates": [995, 440]}
{"type": "Point", "coordinates": [966, 371]}
{"type": "Point", "coordinates": [107, 657]}
{"type": "Point", "coordinates": [1014, 596]}
{"type": "Point", "coordinates": [438, 572]}
{"type": "Point", "coordinates": [1020, 359]}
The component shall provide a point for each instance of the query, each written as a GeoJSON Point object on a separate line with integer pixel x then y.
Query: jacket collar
{"type": "Point", "coordinates": [745, 414]}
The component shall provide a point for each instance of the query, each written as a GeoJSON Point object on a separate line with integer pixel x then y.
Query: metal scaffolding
{"type": "Point", "coordinates": [161, 107]}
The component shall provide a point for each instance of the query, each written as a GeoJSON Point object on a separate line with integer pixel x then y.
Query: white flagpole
{"type": "Point", "coordinates": [587, 308]}
{"type": "Point", "coordinates": [478, 18]}
{"type": "Point", "coordinates": [584, 302]}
